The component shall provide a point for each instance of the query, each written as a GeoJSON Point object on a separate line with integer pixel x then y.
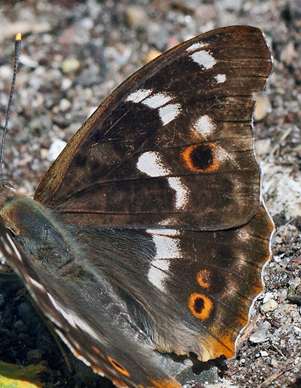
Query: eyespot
{"type": "Point", "coordinates": [200, 306]}
{"type": "Point", "coordinates": [200, 157]}
{"type": "Point", "coordinates": [119, 367]}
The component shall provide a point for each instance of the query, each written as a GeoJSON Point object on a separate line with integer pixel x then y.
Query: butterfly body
{"type": "Point", "coordinates": [148, 231]}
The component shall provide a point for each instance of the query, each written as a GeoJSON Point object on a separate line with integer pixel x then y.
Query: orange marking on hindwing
{"type": "Point", "coordinates": [200, 306]}
{"type": "Point", "coordinates": [223, 346]}
{"type": "Point", "coordinates": [119, 367]}
{"type": "Point", "coordinates": [165, 383]}
{"type": "Point", "coordinates": [201, 157]}
{"type": "Point", "coordinates": [203, 278]}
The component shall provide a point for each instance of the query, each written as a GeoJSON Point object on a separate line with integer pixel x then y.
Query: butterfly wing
{"type": "Point", "coordinates": [166, 157]}
{"type": "Point", "coordinates": [190, 291]}
{"type": "Point", "coordinates": [99, 343]}
{"type": "Point", "coordinates": [179, 126]}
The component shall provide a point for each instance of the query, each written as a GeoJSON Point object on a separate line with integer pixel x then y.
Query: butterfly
{"type": "Point", "coordinates": [148, 233]}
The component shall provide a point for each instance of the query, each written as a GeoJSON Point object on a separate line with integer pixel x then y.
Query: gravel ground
{"type": "Point", "coordinates": [74, 54]}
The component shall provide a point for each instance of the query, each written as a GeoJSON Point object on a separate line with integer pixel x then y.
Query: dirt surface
{"type": "Point", "coordinates": [74, 54]}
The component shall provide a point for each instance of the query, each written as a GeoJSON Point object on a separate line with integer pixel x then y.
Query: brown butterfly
{"type": "Point", "coordinates": [148, 231]}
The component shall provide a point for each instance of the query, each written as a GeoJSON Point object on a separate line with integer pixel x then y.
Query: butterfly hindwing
{"type": "Point", "coordinates": [177, 126]}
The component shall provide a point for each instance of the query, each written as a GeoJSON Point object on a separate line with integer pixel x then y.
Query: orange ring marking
{"type": "Point", "coordinates": [207, 306]}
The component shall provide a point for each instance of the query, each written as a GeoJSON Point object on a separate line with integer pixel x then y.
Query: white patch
{"type": "Point", "coordinates": [197, 46]}
{"type": "Point", "coordinates": [243, 235]}
{"type": "Point", "coordinates": [164, 232]}
{"type": "Point", "coordinates": [36, 284]}
{"type": "Point", "coordinates": [139, 95]}
{"type": "Point", "coordinates": [181, 191]}
{"type": "Point", "coordinates": [168, 221]}
{"type": "Point", "coordinates": [150, 163]}
{"type": "Point", "coordinates": [73, 349]}
{"type": "Point", "coordinates": [86, 328]}
{"type": "Point", "coordinates": [157, 100]}
{"type": "Point", "coordinates": [11, 248]}
{"type": "Point", "coordinates": [167, 248]}
{"type": "Point", "coordinates": [169, 112]}
{"type": "Point", "coordinates": [68, 316]}
{"type": "Point", "coordinates": [222, 155]}
{"type": "Point", "coordinates": [204, 125]}
{"type": "Point", "coordinates": [220, 78]}
{"type": "Point", "coordinates": [203, 58]}
{"type": "Point", "coordinates": [54, 302]}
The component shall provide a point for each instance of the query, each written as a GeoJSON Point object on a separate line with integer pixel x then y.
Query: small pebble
{"type": "Point", "coordinates": [151, 55]}
{"type": "Point", "coordinates": [64, 105]}
{"type": "Point", "coordinates": [55, 149]}
{"type": "Point", "coordinates": [136, 16]}
{"type": "Point", "coordinates": [35, 354]}
{"type": "Point", "coordinates": [70, 65]}
{"type": "Point", "coordinates": [297, 330]}
{"type": "Point", "coordinates": [288, 53]}
{"type": "Point", "coordinates": [267, 297]}
{"type": "Point", "coordinates": [261, 333]}
{"type": "Point", "coordinates": [263, 106]}
{"type": "Point", "coordinates": [66, 83]}
{"type": "Point", "coordinates": [21, 327]}
{"type": "Point", "coordinates": [270, 305]}
{"type": "Point", "coordinates": [263, 353]}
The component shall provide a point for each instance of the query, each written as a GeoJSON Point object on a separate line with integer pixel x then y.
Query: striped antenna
{"type": "Point", "coordinates": [18, 39]}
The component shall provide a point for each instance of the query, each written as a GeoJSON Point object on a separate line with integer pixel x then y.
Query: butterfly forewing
{"type": "Point", "coordinates": [175, 127]}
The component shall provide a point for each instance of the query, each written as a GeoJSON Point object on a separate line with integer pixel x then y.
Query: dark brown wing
{"type": "Point", "coordinates": [173, 144]}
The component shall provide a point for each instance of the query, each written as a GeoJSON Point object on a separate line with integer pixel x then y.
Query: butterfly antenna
{"type": "Point", "coordinates": [17, 57]}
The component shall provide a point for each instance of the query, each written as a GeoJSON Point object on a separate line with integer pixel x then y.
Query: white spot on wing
{"type": "Point", "coordinates": [85, 327]}
{"type": "Point", "coordinates": [12, 249]}
{"type": "Point", "coordinates": [197, 46]}
{"type": "Point", "coordinates": [167, 248]}
{"type": "Point", "coordinates": [203, 58]}
{"type": "Point", "coordinates": [243, 235]}
{"type": "Point", "coordinates": [139, 95]}
{"type": "Point", "coordinates": [68, 316]}
{"type": "Point", "coordinates": [157, 100]}
{"type": "Point", "coordinates": [220, 78]}
{"type": "Point", "coordinates": [150, 163]}
{"type": "Point", "coordinates": [204, 125]}
{"type": "Point", "coordinates": [169, 112]}
{"type": "Point", "coordinates": [165, 232]}
{"type": "Point", "coordinates": [181, 191]}
{"type": "Point", "coordinates": [54, 302]}
{"type": "Point", "coordinates": [37, 284]}
{"type": "Point", "coordinates": [73, 349]}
